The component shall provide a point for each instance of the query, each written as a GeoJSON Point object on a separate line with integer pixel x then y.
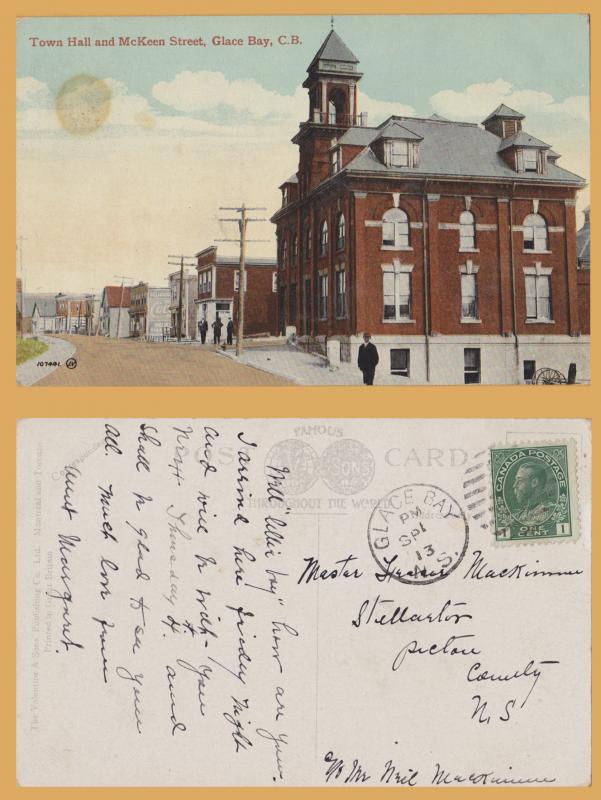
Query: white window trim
{"type": "Point", "coordinates": [395, 223]}
{"type": "Point", "coordinates": [397, 268]}
{"type": "Point", "coordinates": [323, 273]}
{"type": "Point", "coordinates": [237, 280]}
{"type": "Point", "coordinates": [470, 269]}
{"type": "Point", "coordinates": [340, 268]}
{"type": "Point", "coordinates": [538, 270]}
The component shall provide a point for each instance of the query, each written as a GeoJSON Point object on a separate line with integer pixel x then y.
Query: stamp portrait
{"type": "Point", "coordinates": [531, 492]}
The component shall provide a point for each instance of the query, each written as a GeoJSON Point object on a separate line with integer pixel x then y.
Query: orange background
{"type": "Point", "coordinates": [411, 401]}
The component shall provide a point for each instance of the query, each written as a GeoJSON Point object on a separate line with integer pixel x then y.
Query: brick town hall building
{"type": "Point", "coordinates": [452, 243]}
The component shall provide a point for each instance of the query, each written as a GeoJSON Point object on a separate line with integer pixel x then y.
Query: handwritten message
{"type": "Point", "coordinates": [185, 619]}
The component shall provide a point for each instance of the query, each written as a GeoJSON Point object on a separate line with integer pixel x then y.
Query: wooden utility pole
{"type": "Point", "coordinates": [181, 291]}
{"type": "Point", "coordinates": [242, 221]}
{"type": "Point", "coordinates": [123, 278]}
{"type": "Point", "coordinates": [90, 293]}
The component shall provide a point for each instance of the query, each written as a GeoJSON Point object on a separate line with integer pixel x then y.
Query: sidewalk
{"type": "Point", "coordinates": [308, 370]}
{"type": "Point", "coordinates": [29, 373]}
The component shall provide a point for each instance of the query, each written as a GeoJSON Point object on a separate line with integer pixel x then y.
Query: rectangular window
{"type": "Point", "coordinates": [471, 365]}
{"type": "Point", "coordinates": [340, 293]}
{"type": "Point", "coordinates": [388, 230]}
{"type": "Point", "coordinates": [467, 238]}
{"type": "Point", "coordinates": [399, 154]}
{"type": "Point", "coordinates": [530, 160]}
{"type": "Point", "coordinates": [469, 297]}
{"type": "Point", "coordinates": [529, 370]}
{"type": "Point", "coordinates": [399, 362]}
{"type": "Point", "coordinates": [397, 295]}
{"type": "Point", "coordinates": [323, 297]}
{"type": "Point", "coordinates": [274, 281]}
{"type": "Point", "coordinates": [538, 297]}
{"type": "Point", "coordinates": [237, 280]}
{"type": "Point", "coordinates": [335, 160]}
{"type": "Point", "coordinates": [535, 238]}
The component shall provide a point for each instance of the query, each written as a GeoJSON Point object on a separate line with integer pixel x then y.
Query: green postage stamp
{"type": "Point", "coordinates": [532, 496]}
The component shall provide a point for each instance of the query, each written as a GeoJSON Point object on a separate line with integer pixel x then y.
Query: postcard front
{"type": "Point", "coordinates": [304, 602]}
{"type": "Point", "coordinates": [389, 200]}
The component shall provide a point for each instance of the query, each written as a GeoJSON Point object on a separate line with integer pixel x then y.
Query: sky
{"type": "Point", "coordinates": [182, 130]}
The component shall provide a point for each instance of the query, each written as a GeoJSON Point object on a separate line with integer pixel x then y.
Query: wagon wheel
{"type": "Point", "coordinates": [546, 375]}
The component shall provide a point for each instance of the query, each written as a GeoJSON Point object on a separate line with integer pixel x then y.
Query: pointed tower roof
{"type": "Point", "coordinates": [334, 49]}
{"type": "Point", "coordinates": [504, 111]}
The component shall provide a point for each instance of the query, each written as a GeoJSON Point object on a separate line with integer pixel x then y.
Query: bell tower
{"type": "Point", "coordinates": [332, 82]}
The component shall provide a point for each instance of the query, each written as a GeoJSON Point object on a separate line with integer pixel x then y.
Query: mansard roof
{"type": "Point", "coordinates": [461, 149]}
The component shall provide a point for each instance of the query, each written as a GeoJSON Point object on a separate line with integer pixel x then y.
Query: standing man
{"type": "Point", "coordinates": [368, 360]}
{"type": "Point", "coordinates": [217, 325]}
{"type": "Point", "coordinates": [203, 327]}
{"type": "Point", "coordinates": [230, 331]}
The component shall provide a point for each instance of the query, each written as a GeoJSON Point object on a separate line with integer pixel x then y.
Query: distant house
{"type": "Point", "coordinates": [188, 304]}
{"type": "Point", "coordinates": [113, 319]}
{"type": "Point", "coordinates": [32, 319]}
{"type": "Point", "coordinates": [218, 291]}
{"type": "Point", "coordinates": [43, 316]}
{"type": "Point", "coordinates": [74, 313]}
{"type": "Point", "coordinates": [149, 314]}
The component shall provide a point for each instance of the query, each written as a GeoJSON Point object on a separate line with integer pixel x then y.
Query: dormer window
{"type": "Point", "coordinates": [398, 154]}
{"type": "Point", "coordinates": [285, 196]}
{"type": "Point", "coordinates": [530, 160]}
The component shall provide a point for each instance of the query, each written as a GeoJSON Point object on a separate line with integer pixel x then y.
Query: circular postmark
{"type": "Point", "coordinates": [83, 104]}
{"type": "Point", "coordinates": [347, 466]}
{"type": "Point", "coordinates": [418, 534]}
{"type": "Point", "coordinates": [71, 363]}
{"type": "Point", "coordinates": [302, 461]}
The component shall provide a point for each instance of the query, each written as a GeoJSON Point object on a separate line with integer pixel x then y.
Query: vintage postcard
{"type": "Point", "coordinates": [303, 200]}
{"type": "Point", "coordinates": [304, 602]}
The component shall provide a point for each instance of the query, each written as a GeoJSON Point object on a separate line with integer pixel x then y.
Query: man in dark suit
{"type": "Point", "coordinates": [368, 360]}
{"type": "Point", "coordinates": [203, 327]}
{"type": "Point", "coordinates": [217, 325]}
{"type": "Point", "coordinates": [230, 331]}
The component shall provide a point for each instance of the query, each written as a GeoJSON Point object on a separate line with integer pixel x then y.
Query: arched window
{"type": "Point", "coordinates": [323, 238]}
{"type": "Point", "coordinates": [340, 232]}
{"type": "Point", "coordinates": [336, 106]}
{"type": "Point", "coordinates": [395, 228]}
{"type": "Point", "coordinates": [535, 233]}
{"type": "Point", "coordinates": [467, 231]}
{"type": "Point", "coordinates": [294, 250]}
{"type": "Point", "coordinates": [308, 241]}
